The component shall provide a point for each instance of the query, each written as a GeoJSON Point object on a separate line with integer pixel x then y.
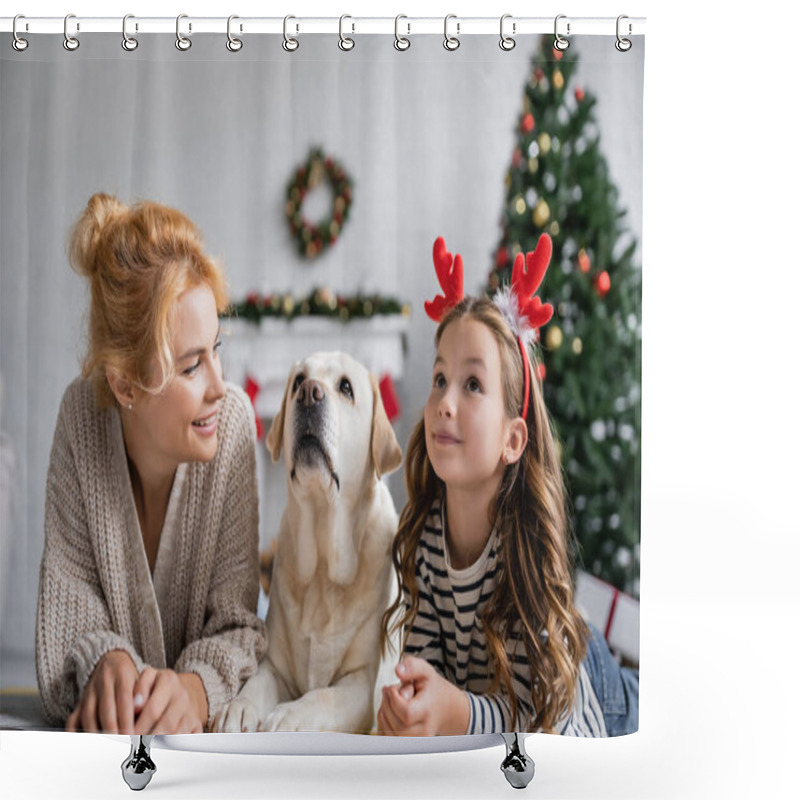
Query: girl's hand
{"type": "Point", "coordinates": [107, 701]}
{"type": "Point", "coordinates": [435, 707]}
{"type": "Point", "coordinates": [168, 702]}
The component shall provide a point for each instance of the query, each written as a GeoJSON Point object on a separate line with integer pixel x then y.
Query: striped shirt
{"type": "Point", "coordinates": [448, 634]}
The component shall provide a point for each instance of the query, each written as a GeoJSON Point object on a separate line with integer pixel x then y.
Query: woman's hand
{"type": "Point", "coordinates": [169, 702]}
{"type": "Point", "coordinates": [107, 701]}
{"type": "Point", "coordinates": [423, 704]}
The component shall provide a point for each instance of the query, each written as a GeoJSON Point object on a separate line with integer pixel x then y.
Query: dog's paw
{"type": "Point", "coordinates": [238, 716]}
{"type": "Point", "coordinates": [289, 717]}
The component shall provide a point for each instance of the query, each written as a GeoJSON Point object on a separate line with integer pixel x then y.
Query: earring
{"type": "Point", "coordinates": [130, 406]}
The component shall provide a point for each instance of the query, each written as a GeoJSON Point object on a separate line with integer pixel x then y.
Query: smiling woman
{"type": "Point", "coordinates": [146, 623]}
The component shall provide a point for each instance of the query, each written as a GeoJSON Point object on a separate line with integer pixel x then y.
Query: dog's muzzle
{"type": "Point", "coordinates": [310, 411]}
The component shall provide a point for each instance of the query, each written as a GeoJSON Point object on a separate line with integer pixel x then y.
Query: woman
{"type": "Point", "coordinates": [146, 620]}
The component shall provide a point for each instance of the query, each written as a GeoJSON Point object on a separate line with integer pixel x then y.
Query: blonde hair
{"type": "Point", "coordinates": [534, 592]}
{"type": "Point", "coordinates": [139, 260]}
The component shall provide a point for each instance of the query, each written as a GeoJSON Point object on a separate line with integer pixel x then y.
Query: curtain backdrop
{"type": "Point", "coordinates": [426, 135]}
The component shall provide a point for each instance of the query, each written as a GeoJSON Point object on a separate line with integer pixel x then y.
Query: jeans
{"type": "Point", "coordinates": [616, 687]}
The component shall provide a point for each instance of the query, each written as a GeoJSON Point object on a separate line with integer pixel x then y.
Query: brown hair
{"type": "Point", "coordinates": [139, 259]}
{"type": "Point", "coordinates": [533, 599]}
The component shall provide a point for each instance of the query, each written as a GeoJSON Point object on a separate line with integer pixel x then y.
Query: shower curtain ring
{"type": "Point", "coordinates": [623, 45]}
{"type": "Point", "coordinates": [70, 42]}
{"type": "Point", "coordinates": [18, 43]}
{"type": "Point", "coordinates": [451, 42]}
{"type": "Point", "coordinates": [345, 42]}
{"type": "Point", "coordinates": [290, 44]}
{"type": "Point", "coordinates": [507, 42]}
{"type": "Point", "coordinates": [561, 43]}
{"type": "Point", "coordinates": [182, 42]}
{"type": "Point", "coordinates": [233, 44]}
{"type": "Point", "coordinates": [129, 43]}
{"type": "Point", "coordinates": [400, 42]}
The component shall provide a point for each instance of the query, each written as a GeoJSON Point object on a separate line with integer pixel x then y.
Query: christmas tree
{"type": "Point", "coordinates": [559, 183]}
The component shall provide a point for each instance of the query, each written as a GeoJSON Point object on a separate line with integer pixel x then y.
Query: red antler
{"type": "Point", "coordinates": [451, 278]}
{"type": "Point", "coordinates": [526, 277]}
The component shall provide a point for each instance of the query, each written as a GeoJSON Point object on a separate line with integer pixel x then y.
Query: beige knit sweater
{"type": "Point", "coordinates": [196, 613]}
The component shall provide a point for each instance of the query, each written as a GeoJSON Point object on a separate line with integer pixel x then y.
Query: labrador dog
{"type": "Point", "coordinates": [332, 574]}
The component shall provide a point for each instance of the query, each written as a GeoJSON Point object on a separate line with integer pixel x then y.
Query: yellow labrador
{"type": "Point", "coordinates": [332, 571]}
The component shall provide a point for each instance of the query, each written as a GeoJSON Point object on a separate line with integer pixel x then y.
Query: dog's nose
{"type": "Point", "coordinates": [310, 393]}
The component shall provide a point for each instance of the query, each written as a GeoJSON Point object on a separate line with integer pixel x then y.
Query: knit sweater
{"type": "Point", "coordinates": [196, 613]}
{"type": "Point", "coordinates": [448, 634]}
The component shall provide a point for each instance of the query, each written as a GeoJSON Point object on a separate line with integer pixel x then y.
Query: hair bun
{"type": "Point", "coordinates": [100, 213]}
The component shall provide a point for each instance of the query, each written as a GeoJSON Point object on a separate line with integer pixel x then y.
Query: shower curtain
{"type": "Point", "coordinates": [320, 177]}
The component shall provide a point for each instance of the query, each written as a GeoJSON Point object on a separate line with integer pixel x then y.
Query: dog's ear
{"type": "Point", "coordinates": [275, 434]}
{"type": "Point", "coordinates": [386, 453]}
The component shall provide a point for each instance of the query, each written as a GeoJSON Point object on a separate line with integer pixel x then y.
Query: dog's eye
{"type": "Point", "coordinates": [298, 379]}
{"type": "Point", "coordinates": [346, 388]}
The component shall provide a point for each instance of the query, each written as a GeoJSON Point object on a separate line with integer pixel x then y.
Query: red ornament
{"type": "Point", "coordinates": [501, 258]}
{"type": "Point", "coordinates": [579, 94]}
{"type": "Point", "coordinates": [252, 299]}
{"type": "Point", "coordinates": [528, 123]}
{"type": "Point", "coordinates": [252, 389]}
{"type": "Point", "coordinates": [603, 283]}
{"type": "Point", "coordinates": [516, 159]}
{"type": "Point", "coordinates": [557, 54]}
{"type": "Point", "coordinates": [538, 74]}
{"type": "Point", "coordinates": [584, 262]}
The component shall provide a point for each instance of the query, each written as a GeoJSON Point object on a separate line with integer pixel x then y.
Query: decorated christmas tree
{"type": "Point", "coordinates": [559, 183]}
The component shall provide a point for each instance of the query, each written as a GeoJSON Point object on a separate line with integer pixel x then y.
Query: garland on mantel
{"type": "Point", "coordinates": [318, 303]}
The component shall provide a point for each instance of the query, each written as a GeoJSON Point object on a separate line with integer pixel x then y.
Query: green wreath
{"type": "Point", "coordinates": [313, 239]}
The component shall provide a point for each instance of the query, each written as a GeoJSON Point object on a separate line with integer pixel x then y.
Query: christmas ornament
{"type": "Point", "coordinates": [313, 238]}
{"type": "Point", "coordinates": [544, 143]}
{"type": "Point", "coordinates": [603, 283]}
{"type": "Point", "coordinates": [584, 263]}
{"type": "Point", "coordinates": [577, 346]}
{"type": "Point", "coordinates": [579, 94]}
{"type": "Point", "coordinates": [554, 338]}
{"type": "Point", "coordinates": [528, 123]}
{"type": "Point", "coordinates": [541, 214]}
{"type": "Point", "coordinates": [558, 80]}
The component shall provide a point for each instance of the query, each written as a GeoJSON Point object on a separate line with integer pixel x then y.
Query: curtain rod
{"type": "Point", "coordinates": [348, 25]}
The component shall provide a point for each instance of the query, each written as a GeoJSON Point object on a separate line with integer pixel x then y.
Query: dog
{"type": "Point", "coordinates": [332, 574]}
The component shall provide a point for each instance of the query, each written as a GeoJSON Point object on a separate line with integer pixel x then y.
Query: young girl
{"type": "Point", "coordinates": [492, 641]}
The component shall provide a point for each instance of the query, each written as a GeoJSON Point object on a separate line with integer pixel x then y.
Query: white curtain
{"type": "Point", "coordinates": [426, 135]}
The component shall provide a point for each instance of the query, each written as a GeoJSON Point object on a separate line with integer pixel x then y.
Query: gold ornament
{"type": "Point", "coordinates": [577, 346]}
{"type": "Point", "coordinates": [288, 304]}
{"type": "Point", "coordinates": [544, 143]}
{"type": "Point", "coordinates": [334, 228]}
{"type": "Point", "coordinates": [558, 80]}
{"type": "Point", "coordinates": [519, 205]}
{"type": "Point", "coordinates": [554, 228]}
{"type": "Point", "coordinates": [533, 164]}
{"type": "Point", "coordinates": [406, 310]}
{"type": "Point", "coordinates": [541, 214]}
{"type": "Point", "coordinates": [554, 338]}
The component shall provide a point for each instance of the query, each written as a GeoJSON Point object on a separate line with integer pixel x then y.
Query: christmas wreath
{"type": "Point", "coordinates": [313, 238]}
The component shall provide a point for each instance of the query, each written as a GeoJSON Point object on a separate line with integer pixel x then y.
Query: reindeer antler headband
{"type": "Point", "coordinates": [522, 309]}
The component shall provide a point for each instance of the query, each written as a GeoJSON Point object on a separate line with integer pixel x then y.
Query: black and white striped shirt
{"type": "Point", "coordinates": [447, 633]}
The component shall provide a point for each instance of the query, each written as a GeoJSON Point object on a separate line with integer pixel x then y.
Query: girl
{"type": "Point", "coordinates": [492, 641]}
{"type": "Point", "coordinates": [148, 587]}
